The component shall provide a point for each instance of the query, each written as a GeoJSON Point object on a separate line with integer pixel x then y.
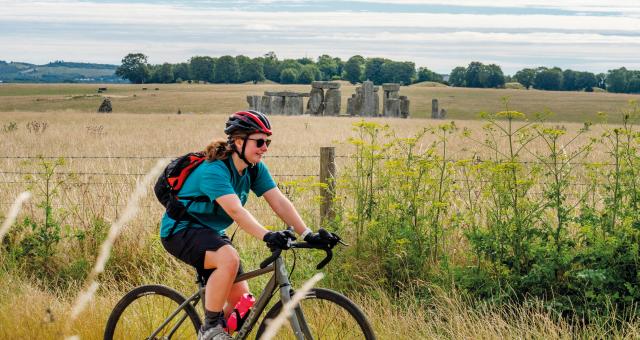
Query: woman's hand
{"type": "Point", "coordinates": [279, 239]}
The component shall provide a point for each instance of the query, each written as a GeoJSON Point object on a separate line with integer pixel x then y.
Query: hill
{"type": "Point", "coordinates": [58, 72]}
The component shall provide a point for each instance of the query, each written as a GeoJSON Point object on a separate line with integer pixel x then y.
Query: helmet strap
{"type": "Point", "coordinates": [241, 154]}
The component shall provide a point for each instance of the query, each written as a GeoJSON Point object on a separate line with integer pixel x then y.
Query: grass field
{"type": "Point", "coordinates": [31, 307]}
{"type": "Point", "coordinates": [460, 103]}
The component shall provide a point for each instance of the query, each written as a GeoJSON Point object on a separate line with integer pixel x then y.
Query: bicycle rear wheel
{"type": "Point", "coordinates": [330, 315]}
{"type": "Point", "coordinates": [141, 311]}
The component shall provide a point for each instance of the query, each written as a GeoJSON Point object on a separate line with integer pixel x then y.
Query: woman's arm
{"type": "Point", "coordinates": [233, 207]}
{"type": "Point", "coordinates": [281, 205]}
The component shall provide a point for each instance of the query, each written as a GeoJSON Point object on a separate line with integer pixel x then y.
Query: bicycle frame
{"type": "Point", "coordinates": [279, 280]}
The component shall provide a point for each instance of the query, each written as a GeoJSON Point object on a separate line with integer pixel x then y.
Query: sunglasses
{"type": "Point", "coordinates": [261, 141]}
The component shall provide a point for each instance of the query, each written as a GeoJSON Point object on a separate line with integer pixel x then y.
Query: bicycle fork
{"type": "Point", "coordinates": [296, 319]}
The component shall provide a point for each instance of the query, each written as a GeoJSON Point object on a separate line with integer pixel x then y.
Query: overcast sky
{"type": "Point", "coordinates": [584, 35]}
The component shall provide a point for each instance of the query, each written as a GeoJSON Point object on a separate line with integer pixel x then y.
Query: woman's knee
{"type": "Point", "coordinates": [225, 258]}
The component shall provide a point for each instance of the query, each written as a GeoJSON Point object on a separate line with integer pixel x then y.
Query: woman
{"type": "Point", "coordinates": [225, 180]}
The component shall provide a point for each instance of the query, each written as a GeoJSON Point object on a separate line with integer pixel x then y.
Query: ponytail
{"type": "Point", "coordinates": [218, 149]}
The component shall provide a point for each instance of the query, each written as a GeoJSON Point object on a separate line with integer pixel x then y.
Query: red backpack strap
{"type": "Point", "coordinates": [177, 182]}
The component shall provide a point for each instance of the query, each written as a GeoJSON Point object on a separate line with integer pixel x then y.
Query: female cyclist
{"type": "Point", "coordinates": [224, 180]}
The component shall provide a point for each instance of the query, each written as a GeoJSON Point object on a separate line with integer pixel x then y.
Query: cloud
{"type": "Point", "coordinates": [175, 31]}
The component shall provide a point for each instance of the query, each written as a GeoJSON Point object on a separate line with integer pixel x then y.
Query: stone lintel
{"type": "Point", "coordinates": [391, 87]}
{"type": "Point", "coordinates": [325, 84]}
{"type": "Point", "coordinates": [286, 94]}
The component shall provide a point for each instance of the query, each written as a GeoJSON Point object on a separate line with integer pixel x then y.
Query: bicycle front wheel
{"type": "Point", "coordinates": [142, 311]}
{"type": "Point", "coordinates": [328, 314]}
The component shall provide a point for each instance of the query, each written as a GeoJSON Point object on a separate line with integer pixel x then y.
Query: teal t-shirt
{"type": "Point", "coordinates": [213, 179]}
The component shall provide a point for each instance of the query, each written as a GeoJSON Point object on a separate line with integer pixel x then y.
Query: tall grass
{"type": "Point", "coordinates": [408, 216]}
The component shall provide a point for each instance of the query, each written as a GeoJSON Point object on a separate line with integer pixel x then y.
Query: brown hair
{"type": "Point", "coordinates": [220, 148]}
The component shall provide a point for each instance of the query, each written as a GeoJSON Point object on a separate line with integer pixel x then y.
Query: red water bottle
{"type": "Point", "coordinates": [239, 311]}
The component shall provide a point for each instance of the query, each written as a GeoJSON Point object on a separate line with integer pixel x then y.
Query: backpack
{"type": "Point", "coordinates": [172, 179]}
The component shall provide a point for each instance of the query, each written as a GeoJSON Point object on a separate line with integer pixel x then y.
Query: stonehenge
{"type": "Point", "coordinates": [394, 105]}
{"type": "Point", "coordinates": [278, 103]}
{"type": "Point", "coordinates": [325, 99]}
{"type": "Point", "coordinates": [323, 103]}
{"type": "Point", "coordinates": [435, 113]}
{"type": "Point", "coordinates": [365, 102]}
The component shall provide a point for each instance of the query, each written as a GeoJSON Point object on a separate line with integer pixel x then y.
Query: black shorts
{"type": "Point", "coordinates": [190, 245]}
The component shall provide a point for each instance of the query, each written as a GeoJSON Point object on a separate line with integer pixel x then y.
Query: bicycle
{"type": "Point", "coordinates": [149, 311]}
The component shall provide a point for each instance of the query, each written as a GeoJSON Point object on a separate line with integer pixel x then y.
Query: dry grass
{"type": "Point", "coordinates": [460, 103]}
{"type": "Point", "coordinates": [29, 311]}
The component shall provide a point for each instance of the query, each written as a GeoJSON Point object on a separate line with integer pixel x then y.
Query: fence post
{"type": "Point", "coordinates": [327, 177]}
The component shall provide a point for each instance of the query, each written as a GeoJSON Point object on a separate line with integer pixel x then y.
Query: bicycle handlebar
{"type": "Point", "coordinates": [276, 253]}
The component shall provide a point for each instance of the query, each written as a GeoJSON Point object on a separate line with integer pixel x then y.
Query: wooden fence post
{"type": "Point", "coordinates": [327, 177]}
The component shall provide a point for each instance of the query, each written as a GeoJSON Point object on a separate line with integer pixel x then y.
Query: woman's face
{"type": "Point", "coordinates": [256, 147]}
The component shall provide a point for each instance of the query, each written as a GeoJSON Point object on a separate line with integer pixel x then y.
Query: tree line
{"type": "Point", "coordinates": [241, 69]}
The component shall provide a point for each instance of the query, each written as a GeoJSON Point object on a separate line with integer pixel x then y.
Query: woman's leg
{"type": "Point", "coordinates": [226, 261]}
{"type": "Point", "coordinates": [237, 290]}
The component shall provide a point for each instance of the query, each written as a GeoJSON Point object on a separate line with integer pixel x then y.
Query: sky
{"type": "Point", "coordinates": [583, 35]}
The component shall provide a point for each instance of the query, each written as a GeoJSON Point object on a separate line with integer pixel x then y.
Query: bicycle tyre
{"type": "Point", "coordinates": [132, 317]}
{"type": "Point", "coordinates": [332, 316]}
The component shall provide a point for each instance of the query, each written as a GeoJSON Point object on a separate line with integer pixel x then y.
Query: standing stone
{"type": "Point", "coordinates": [443, 113]}
{"type": "Point", "coordinates": [316, 99]}
{"type": "Point", "coordinates": [292, 106]}
{"type": "Point", "coordinates": [105, 107]}
{"type": "Point", "coordinates": [333, 101]}
{"type": "Point", "coordinates": [350, 103]}
{"type": "Point", "coordinates": [254, 102]}
{"type": "Point", "coordinates": [376, 96]}
{"type": "Point", "coordinates": [265, 104]}
{"type": "Point", "coordinates": [404, 106]}
{"type": "Point", "coordinates": [434, 109]}
{"type": "Point", "coordinates": [392, 108]}
{"type": "Point", "coordinates": [368, 100]}
{"type": "Point", "coordinates": [277, 105]}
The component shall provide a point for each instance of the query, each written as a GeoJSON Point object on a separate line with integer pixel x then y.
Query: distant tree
{"type": "Point", "coordinates": [165, 73]}
{"type": "Point", "coordinates": [308, 74]}
{"type": "Point", "coordinates": [425, 74]}
{"type": "Point", "coordinates": [134, 68]}
{"type": "Point", "coordinates": [327, 66]}
{"type": "Point", "coordinates": [601, 80]}
{"type": "Point", "coordinates": [398, 72]}
{"type": "Point", "coordinates": [495, 77]}
{"type": "Point", "coordinates": [457, 76]}
{"type": "Point", "coordinates": [548, 79]}
{"type": "Point", "coordinates": [202, 68]}
{"type": "Point", "coordinates": [586, 81]}
{"type": "Point", "coordinates": [476, 75]}
{"type": "Point", "coordinates": [525, 77]}
{"type": "Point", "coordinates": [291, 63]}
{"type": "Point", "coordinates": [181, 71]}
{"type": "Point", "coordinates": [633, 85]}
{"type": "Point", "coordinates": [253, 71]}
{"type": "Point", "coordinates": [271, 67]}
{"type": "Point", "coordinates": [373, 70]}
{"type": "Point", "coordinates": [226, 70]}
{"type": "Point", "coordinates": [569, 80]}
{"type": "Point", "coordinates": [339, 67]}
{"type": "Point", "coordinates": [289, 76]}
{"type": "Point", "coordinates": [353, 69]}
{"type": "Point", "coordinates": [617, 80]}
{"type": "Point", "coordinates": [242, 61]}
{"type": "Point", "coordinates": [305, 61]}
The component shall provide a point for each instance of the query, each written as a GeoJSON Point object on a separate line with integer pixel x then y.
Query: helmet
{"type": "Point", "coordinates": [249, 122]}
